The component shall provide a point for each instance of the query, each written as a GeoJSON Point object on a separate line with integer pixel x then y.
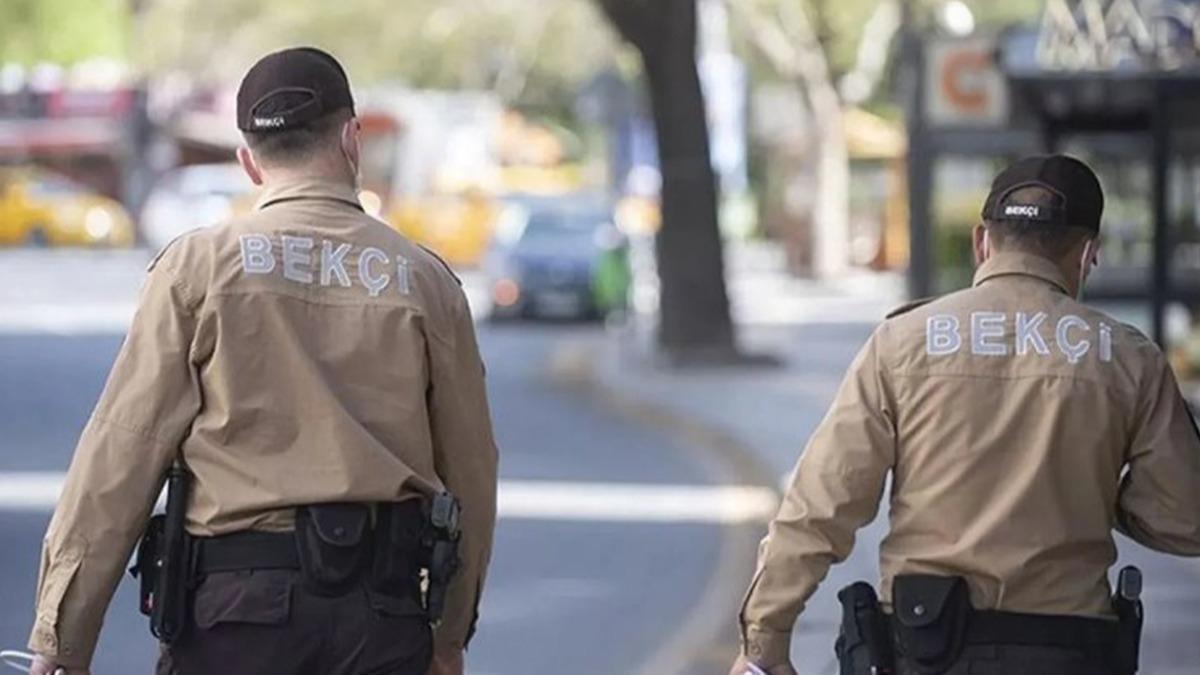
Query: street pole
{"type": "Point", "coordinates": [139, 130]}
{"type": "Point", "coordinates": [1160, 265]}
{"type": "Point", "coordinates": [920, 161]}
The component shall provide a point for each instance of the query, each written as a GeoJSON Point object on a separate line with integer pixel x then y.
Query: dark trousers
{"type": "Point", "coordinates": [266, 622]}
{"type": "Point", "coordinates": [1020, 660]}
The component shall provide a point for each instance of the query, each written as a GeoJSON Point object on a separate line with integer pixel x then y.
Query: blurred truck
{"type": "Point", "coordinates": [429, 167]}
{"type": "Point", "coordinates": [433, 167]}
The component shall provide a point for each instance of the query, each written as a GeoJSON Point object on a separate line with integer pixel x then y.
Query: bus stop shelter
{"type": "Point", "coordinates": [1011, 105]}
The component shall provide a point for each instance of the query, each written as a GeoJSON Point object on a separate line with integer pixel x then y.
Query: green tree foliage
{"type": "Point", "coordinates": [527, 51]}
{"type": "Point", "coordinates": [839, 23]}
{"type": "Point", "coordinates": [991, 14]}
{"type": "Point", "coordinates": [62, 31]}
{"type": "Point", "coordinates": [534, 52]}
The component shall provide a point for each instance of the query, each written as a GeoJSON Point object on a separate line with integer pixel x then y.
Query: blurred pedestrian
{"type": "Point", "coordinates": [1019, 427]}
{"type": "Point", "coordinates": [310, 381]}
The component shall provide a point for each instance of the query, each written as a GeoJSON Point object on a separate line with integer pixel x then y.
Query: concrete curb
{"type": "Point", "coordinates": [707, 640]}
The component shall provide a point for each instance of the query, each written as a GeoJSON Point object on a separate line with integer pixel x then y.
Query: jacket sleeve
{"type": "Point", "coordinates": [465, 459]}
{"type": "Point", "coordinates": [835, 490]}
{"type": "Point", "coordinates": [1159, 503]}
{"type": "Point", "coordinates": [117, 472]}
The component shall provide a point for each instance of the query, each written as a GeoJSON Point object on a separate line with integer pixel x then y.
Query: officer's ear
{"type": "Point", "coordinates": [246, 159]}
{"type": "Point", "coordinates": [1091, 253]}
{"type": "Point", "coordinates": [980, 243]}
{"type": "Point", "coordinates": [1090, 256]}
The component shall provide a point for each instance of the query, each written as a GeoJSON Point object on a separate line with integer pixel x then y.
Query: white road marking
{"type": "Point", "coordinates": [627, 502]}
{"type": "Point", "coordinates": [38, 491]}
{"type": "Point", "coordinates": [30, 490]}
{"type": "Point", "coordinates": [66, 318]}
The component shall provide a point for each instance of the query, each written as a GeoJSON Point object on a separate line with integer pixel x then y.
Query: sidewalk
{"type": "Point", "coordinates": [771, 412]}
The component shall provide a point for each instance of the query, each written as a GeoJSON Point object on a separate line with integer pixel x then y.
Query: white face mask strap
{"type": "Point", "coordinates": [1085, 264]}
{"type": "Point", "coordinates": [355, 170]}
{"type": "Point", "coordinates": [253, 161]}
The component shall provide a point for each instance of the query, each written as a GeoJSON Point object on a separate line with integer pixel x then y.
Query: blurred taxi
{"type": "Point", "coordinates": [42, 208]}
{"type": "Point", "coordinates": [457, 227]}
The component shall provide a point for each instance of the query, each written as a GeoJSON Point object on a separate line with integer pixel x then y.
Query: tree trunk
{"type": "Point", "coordinates": [791, 45]}
{"type": "Point", "coordinates": [694, 319]}
{"type": "Point", "coordinates": [831, 208]}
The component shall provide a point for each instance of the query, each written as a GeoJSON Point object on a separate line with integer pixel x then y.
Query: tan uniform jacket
{"type": "Point", "coordinates": [303, 353]}
{"type": "Point", "coordinates": [1020, 427]}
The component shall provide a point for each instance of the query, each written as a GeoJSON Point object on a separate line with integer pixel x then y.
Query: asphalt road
{"type": "Point", "coordinates": [567, 591]}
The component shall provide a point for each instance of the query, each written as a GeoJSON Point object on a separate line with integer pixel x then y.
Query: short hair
{"type": "Point", "coordinates": [295, 144]}
{"type": "Point", "coordinates": [1051, 241]}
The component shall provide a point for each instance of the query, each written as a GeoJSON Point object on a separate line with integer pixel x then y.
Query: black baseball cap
{"type": "Point", "coordinates": [289, 88]}
{"type": "Point", "coordinates": [1076, 199]}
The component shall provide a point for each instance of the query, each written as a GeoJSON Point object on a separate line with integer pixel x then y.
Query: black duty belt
{"type": "Point", "coordinates": [246, 550]}
{"type": "Point", "coordinates": [1041, 630]}
{"type": "Point", "coordinates": [1090, 635]}
{"type": "Point", "coordinates": [400, 526]}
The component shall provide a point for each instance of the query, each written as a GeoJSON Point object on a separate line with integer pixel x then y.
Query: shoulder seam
{"type": "Point", "coordinates": [909, 306]}
{"type": "Point", "coordinates": [190, 297]}
{"type": "Point", "coordinates": [445, 265]}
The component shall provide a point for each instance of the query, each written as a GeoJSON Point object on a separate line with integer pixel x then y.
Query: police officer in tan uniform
{"type": "Point", "coordinates": [299, 357]}
{"type": "Point", "coordinates": [1020, 428]}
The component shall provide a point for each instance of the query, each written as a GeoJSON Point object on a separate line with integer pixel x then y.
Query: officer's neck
{"type": "Point", "coordinates": [1068, 266]}
{"type": "Point", "coordinates": [314, 172]}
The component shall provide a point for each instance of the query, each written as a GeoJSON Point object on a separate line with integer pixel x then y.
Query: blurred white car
{"type": "Point", "coordinates": [192, 197]}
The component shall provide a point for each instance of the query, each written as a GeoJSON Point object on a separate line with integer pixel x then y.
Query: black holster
{"type": "Point", "coordinates": [164, 563]}
{"type": "Point", "coordinates": [440, 544]}
{"type": "Point", "coordinates": [864, 644]}
{"type": "Point", "coordinates": [396, 566]}
{"type": "Point", "coordinates": [931, 616]}
{"type": "Point", "coordinates": [1127, 603]}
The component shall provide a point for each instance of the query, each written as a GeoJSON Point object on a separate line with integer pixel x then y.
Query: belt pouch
{"type": "Point", "coordinates": [931, 618]}
{"type": "Point", "coordinates": [399, 555]}
{"type": "Point", "coordinates": [333, 544]}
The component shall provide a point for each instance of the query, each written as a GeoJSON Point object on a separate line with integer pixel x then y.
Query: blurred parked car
{"type": "Point", "coordinates": [557, 259]}
{"type": "Point", "coordinates": [192, 197]}
{"type": "Point", "coordinates": [42, 208]}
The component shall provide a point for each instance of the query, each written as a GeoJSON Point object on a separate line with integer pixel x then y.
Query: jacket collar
{"type": "Point", "coordinates": [1020, 264]}
{"type": "Point", "coordinates": [308, 188]}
